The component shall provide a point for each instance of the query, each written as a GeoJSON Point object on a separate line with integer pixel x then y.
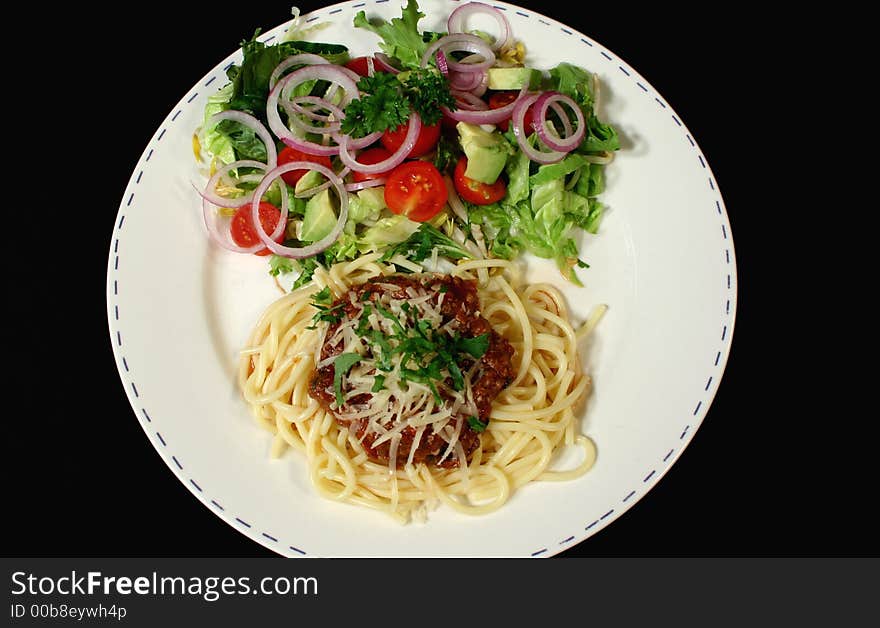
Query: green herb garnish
{"type": "Point", "coordinates": [341, 365]}
{"type": "Point", "coordinates": [477, 425]}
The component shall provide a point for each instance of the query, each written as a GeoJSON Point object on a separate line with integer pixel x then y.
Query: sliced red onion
{"type": "Point", "coordinates": [354, 76]}
{"type": "Point", "coordinates": [318, 103]}
{"type": "Point", "coordinates": [539, 122]}
{"type": "Point", "coordinates": [384, 63]}
{"type": "Point", "coordinates": [466, 81]}
{"type": "Point", "coordinates": [442, 63]}
{"type": "Point", "coordinates": [461, 41]}
{"type": "Point", "coordinates": [327, 72]}
{"type": "Point", "coordinates": [209, 211]}
{"type": "Point", "coordinates": [338, 77]}
{"type": "Point", "coordinates": [363, 142]}
{"type": "Point", "coordinates": [457, 20]}
{"type": "Point", "coordinates": [371, 66]}
{"type": "Point", "coordinates": [480, 89]}
{"type": "Point", "coordinates": [252, 123]}
{"type": "Point", "coordinates": [316, 247]}
{"type": "Point", "coordinates": [329, 127]}
{"type": "Point", "coordinates": [305, 58]}
{"type": "Point", "coordinates": [309, 192]}
{"type": "Point", "coordinates": [517, 122]}
{"type": "Point", "coordinates": [469, 101]}
{"type": "Point", "coordinates": [566, 123]}
{"type": "Point", "coordinates": [369, 183]}
{"type": "Point", "coordinates": [490, 116]}
{"type": "Point", "coordinates": [412, 134]}
{"type": "Point", "coordinates": [210, 194]}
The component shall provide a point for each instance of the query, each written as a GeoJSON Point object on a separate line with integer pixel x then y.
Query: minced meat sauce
{"type": "Point", "coordinates": [459, 302]}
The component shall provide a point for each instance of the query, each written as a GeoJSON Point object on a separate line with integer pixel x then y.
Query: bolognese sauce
{"type": "Point", "coordinates": [419, 368]}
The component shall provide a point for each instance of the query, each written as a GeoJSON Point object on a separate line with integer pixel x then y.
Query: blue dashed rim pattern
{"type": "Point", "coordinates": [274, 541]}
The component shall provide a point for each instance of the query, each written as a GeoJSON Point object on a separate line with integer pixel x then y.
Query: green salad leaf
{"type": "Point", "coordinates": [401, 39]}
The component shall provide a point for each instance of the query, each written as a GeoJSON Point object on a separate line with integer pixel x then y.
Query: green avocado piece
{"type": "Point", "coordinates": [319, 218]}
{"type": "Point", "coordinates": [513, 78]}
{"type": "Point", "coordinates": [310, 179]}
{"type": "Point", "coordinates": [486, 152]}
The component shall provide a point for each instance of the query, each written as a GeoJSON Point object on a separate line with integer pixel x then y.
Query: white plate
{"type": "Point", "coordinates": [180, 309]}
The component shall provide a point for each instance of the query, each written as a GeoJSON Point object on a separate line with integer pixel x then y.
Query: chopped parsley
{"type": "Point", "coordinates": [476, 346]}
{"type": "Point", "coordinates": [327, 313]}
{"type": "Point", "coordinates": [389, 99]}
{"type": "Point", "coordinates": [477, 425]}
{"type": "Point", "coordinates": [341, 365]}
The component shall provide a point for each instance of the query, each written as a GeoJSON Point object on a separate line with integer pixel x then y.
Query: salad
{"type": "Point", "coordinates": [438, 147]}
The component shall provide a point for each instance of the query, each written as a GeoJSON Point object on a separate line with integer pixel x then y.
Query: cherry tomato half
{"type": "Point", "coordinates": [427, 139]}
{"type": "Point", "coordinates": [416, 190]}
{"type": "Point", "coordinates": [474, 191]}
{"type": "Point", "coordinates": [372, 156]}
{"type": "Point", "coordinates": [502, 99]}
{"type": "Point", "coordinates": [291, 154]}
{"type": "Point", "coordinates": [244, 234]}
{"type": "Point", "coordinates": [359, 65]}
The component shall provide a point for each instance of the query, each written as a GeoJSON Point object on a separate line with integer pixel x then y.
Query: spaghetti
{"type": "Point", "coordinates": [532, 418]}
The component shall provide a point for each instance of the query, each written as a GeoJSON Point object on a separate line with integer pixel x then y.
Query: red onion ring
{"type": "Point", "coordinates": [210, 216]}
{"type": "Point", "coordinates": [519, 130]}
{"type": "Point", "coordinates": [566, 123]}
{"type": "Point", "coordinates": [296, 105]}
{"type": "Point", "coordinates": [369, 183]}
{"type": "Point", "coordinates": [252, 123]}
{"type": "Point", "coordinates": [305, 58]}
{"type": "Point", "coordinates": [480, 89]}
{"type": "Point", "coordinates": [539, 122]}
{"type": "Point", "coordinates": [309, 192]}
{"type": "Point", "coordinates": [328, 72]}
{"type": "Point", "coordinates": [412, 134]}
{"type": "Point", "coordinates": [491, 116]}
{"type": "Point", "coordinates": [457, 19]}
{"type": "Point", "coordinates": [363, 142]}
{"type": "Point", "coordinates": [212, 197]}
{"type": "Point", "coordinates": [330, 127]}
{"type": "Point", "coordinates": [466, 81]}
{"type": "Point", "coordinates": [469, 101]}
{"type": "Point", "coordinates": [384, 63]}
{"type": "Point", "coordinates": [461, 41]}
{"type": "Point", "coordinates": [315, 247]}
{"type": "Point", "coordinates": [442, 63]}
{"type": "Point", "coordinates": [354, 76]}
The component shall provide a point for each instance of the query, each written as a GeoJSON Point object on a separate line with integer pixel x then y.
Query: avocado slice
{"type": "Point", "coordinates": [319, 218]}
{"type": "Point", "coordinates": [310, 179]}
{"type": "Point", "coordinates": [513, 78]}
{"type": "Point", "coordinates": [486, 152]}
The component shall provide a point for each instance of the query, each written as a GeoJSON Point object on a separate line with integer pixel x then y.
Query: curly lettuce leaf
{"type": "Point", "coordinates": [401, 39]}
{"type": "Point", "coordinates": [575, 82]}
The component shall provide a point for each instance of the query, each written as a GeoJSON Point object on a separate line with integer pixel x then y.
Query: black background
{"type": "Point", "coordinates": [763, 476]}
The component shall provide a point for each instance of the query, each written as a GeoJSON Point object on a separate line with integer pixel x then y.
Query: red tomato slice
{"type": "Point", "coordinates": [244, 234]}
{"type": "Point", "coordinates": [372, 156]}
{"type": "Point", "coordinates": [474, 191]}
{"type": "Point", "coordinates": [427, 139]}
{"type": "Point", "coordinates": [359, 65]}
{"type": "Point", "coordinates": [416, 190]}
{"type": "Point", "coordinates": [291, 154]}
{"type": "Point", "coordinates": [502, 99]}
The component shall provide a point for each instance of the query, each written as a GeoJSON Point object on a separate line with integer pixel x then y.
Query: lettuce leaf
{"type": "Point", "coordinates": [401, 39]}
{"type": "Point", "coordinates": [575, 82]}
{"type": "Point", "coordinates": [250, 80]}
